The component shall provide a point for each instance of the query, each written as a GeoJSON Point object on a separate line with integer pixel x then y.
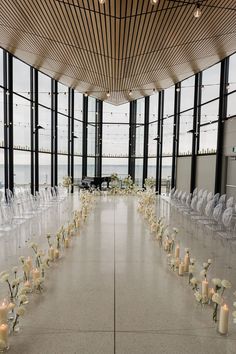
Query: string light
{"type": "Point", "coordinates": [153, 2]}
{"type": "Point", "coordinates": [108, 94]}
{"type": "Point", "coordinates": [197, 12]}
{"type": "Point", "coordinates": [130, 92]}
{"type": "Point", "coordinates": [102, 1]}
{"type": "Point", "coordinates": [86, 94]}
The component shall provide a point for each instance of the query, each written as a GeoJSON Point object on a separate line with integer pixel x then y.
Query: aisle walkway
{"type": "Point", "coordinates": [114, 294]}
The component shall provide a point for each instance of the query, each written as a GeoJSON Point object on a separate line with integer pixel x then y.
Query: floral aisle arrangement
{"type": "Point", "coordinates": [186, 265]}
{"type": "Point", "coordinates": [67, 182]}
{"type": "Point", "coordinates": [115, 184]}
{"type": "Point", "coordinates": [149, 183]}
{"type": "Point", "coordinates": [27, 279]}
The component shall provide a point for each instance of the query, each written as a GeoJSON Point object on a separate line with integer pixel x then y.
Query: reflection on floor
{"type": "Point", "coordinates": [114, 292]}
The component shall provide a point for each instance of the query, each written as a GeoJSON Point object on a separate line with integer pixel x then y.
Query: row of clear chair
{"type": "Point", "coordinates": [207, 209]}
{"type": "Point", "coordinates": [20, 206]}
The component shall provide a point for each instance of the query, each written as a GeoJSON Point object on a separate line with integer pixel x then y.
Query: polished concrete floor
{"type": "Point", "coordinates": [114, 293]}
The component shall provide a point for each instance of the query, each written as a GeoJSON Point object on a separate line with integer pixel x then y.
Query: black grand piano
{"type": "Point", "coordinates": [94, 182]}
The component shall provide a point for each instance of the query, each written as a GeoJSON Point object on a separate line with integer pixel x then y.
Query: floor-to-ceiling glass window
{"type": "Point", "coordinates": [91, 136]}
{"type": "Point", "coordinates": [139, 142]}
{"type": "Point", "coordinates": [115, 139]}
{"type": "Point", "coordinates": [62, 131]}
{"type": "Point", "coordinates": [78, 135]}
{"type": "Point", "coordinates": [231, 107]}
{"type": "Point", "coordinates": [167, 147]}
{"type": "Point", "coordinates": [44, 118]}
{"type": "Point", "coordinates": [1, 123]}
{"type": "Point", "coordinates": [186, 116]}
{"type": "Point", "coordinates": [21, 122]}
{"type": "Point", "coordinates": [208, 127]}
{"type": "Point", "coordinates": [152, 136]}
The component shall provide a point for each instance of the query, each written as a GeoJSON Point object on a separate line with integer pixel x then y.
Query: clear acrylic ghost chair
{"type": "Point", "coordinates": [204, 194]}
{"type": "Point", "coordinates": [199, 193]}
{"type": "Point", "coordinates": [175, 194]}
{"type": "Point", "coordinates": [196, 214]}
{"type": "Point", "coordinates": [172, 193]}
{"type": "Point", "coordinates": [8, 196]}
{"type": "Point", "coordinates": [208, 213]}
{"type": "Point", "coordinates": [228, 223]}
{"type": "Point", "coordinates": [180, 199]}
{"type": "Point", "coordinates": [222, 199]}
{"type": "Point", "coordinates": [209, 197]}
{"type": "Point", "coordinates": [6, 217]}
{"type": "Point", "coordinates": [193, 205]}
{"type": "Point", "coordinates": [187, 205]}
{"type": "Point", "coordinates": [61, 193]}
{"type": "Point", "coordinates": [214, 224]}
{"type": "Point", "coordinates": [229, 202]}
{"type": "Point", "coordinates": [216, 198]}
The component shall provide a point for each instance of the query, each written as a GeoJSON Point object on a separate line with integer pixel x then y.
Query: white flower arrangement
{"type": "Point", "coordinates": [218, 298]}
{"type": "Point", "coordinates": [149, 182]}
{"type": "Point", "coordinates": [67, 181]}
{"type": "Point", "coordinates": [226, 284]}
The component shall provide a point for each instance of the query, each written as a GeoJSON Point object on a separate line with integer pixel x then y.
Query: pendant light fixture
{"type": "Point", "coordinates": [197, 12]}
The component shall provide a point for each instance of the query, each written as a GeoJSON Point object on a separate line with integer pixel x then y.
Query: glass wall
{"type": "Point", "coordinates": [21, 123]}
{"type": "Point", "coordinates": [187, 94]}
{"type": "Point", "coordinates": [115, 139]}
{"type": "Point", "coordinates": [185, 132]}
{"type": "Point", "coordinates": [211, 83]}
{"type": "Point", "coordinates": [115, 143]}
{"type": "Point", "coordinates": [22, 161]}
{"type": "Point", "coordinates": [44, 169]}
{"type": "Point", "coordinates": [208, 127]}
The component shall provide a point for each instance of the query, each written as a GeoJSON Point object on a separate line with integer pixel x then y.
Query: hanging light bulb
{"type": "Point", "coordinates": [177, 89]}
{"type": "Point", "coordinates": [153, 2]}
{"type": "Point", "coordinates": [130, 92]}
{"type": "Point", "coordinates": [154, 91]}
{"type": "Point", "coordinates": [102, 1]}
{"type": "Point", "coordinates": [108, 94]}
{"type": "Point", "coordinates": [197, 12]}
{"type": "Point", "coordinates": [86, 94]}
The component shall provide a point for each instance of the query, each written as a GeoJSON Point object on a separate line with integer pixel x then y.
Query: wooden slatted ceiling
{"type": "Point", "coordinates": [119, 46]}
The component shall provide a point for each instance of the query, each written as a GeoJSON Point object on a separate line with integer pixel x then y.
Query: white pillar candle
{"type": "Point", "coordinates": [3, 312]}
{"type": "Point", "coordinates": [177, 251]}
{"type": "Point", "coordinates": [51, 253]}
{"type": "Point", "coordinates": [66, 242]}
{"type": "Point", "coordinates": [205, 289]}
{"type": "Point", "coordinates": [186, 262]}
{"type": "Point", "coordinates": [26, 270]}
{"type": "Point", "coordinates": [210, 293]}
{"type": "Point", "coordinates": [56, 254]}
{"type": "Point", "coordinates": [4, 335]}
{"type": "Point", "coordinates": [29, 263]}
{"type": "Point", "coordinates": [224, 319]}
{"type": "Point", "coordinates": [177, 262]}
{"type": "Point", "coordinates": [181, 268]}
{"type": "Point", "coordinates": [35, 274]}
